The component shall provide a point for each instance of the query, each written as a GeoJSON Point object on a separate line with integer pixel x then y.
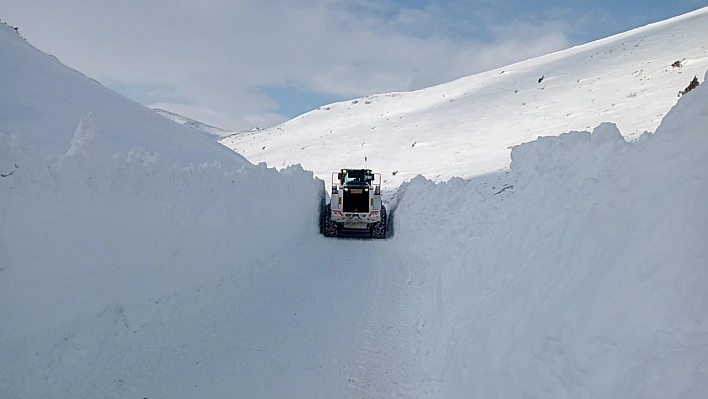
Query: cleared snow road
{"type": "Point", "coordinates": [335, 324]}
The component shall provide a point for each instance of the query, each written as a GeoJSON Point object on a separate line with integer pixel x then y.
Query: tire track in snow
{"type": "Point", "coordinates": [387, 359]}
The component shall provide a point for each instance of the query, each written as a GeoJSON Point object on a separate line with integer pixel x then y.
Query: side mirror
{"type": "Point", "coordinates": [339, 175]}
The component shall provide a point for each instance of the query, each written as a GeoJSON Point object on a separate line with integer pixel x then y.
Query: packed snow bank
{"type": "Point", "coordinates": [126, 240]}
{"type": "Point", "coordinates": [582, 273]}
{"type": "Point", "coordinates": [94, 250]}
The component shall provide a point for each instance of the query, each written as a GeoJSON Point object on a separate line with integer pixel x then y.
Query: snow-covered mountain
{"type": "Point", "coordinates": [578, 271]}
{"type": "Point", "coordinates": [200, 127]}
{"type": "Point", "coordinates": [467, 127]}
{"type": "Point", "coordinates": [44, 100]}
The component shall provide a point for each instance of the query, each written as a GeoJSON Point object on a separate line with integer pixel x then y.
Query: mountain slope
{"type": "Point", "coordinates": [200, 127]}
{"type": "Point", "coordinates": [466, 127]}
{"type": "Point", "coordinates": [43, 100]}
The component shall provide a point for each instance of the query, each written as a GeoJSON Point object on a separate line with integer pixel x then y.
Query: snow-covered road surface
{"type": "Point", "coordinates": [297, 333]}
{"type": "Point", "coordinates": [333, 321]}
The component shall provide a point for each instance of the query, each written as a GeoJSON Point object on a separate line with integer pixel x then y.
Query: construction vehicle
{"type": "Point", "coordinates": [355, 204]}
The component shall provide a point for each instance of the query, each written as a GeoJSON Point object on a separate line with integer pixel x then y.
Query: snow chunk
{"type": "Point", "coordinates": [606, 133]}
{"type": "Point", "coordinates": [84, 133]}
{"type": "Point", "coordinates": [575, 156]}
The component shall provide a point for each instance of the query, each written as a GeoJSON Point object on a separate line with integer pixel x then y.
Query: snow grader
{"type": "Point", "coordinates": [355, 204]}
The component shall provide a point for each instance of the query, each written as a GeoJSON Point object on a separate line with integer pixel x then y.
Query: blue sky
{"type": "Point", "coordinates": [617, 16]}
{"type": "Point", "coordinates": [238, 64]}
{"type": "Point", "coordinates": [293, 101]}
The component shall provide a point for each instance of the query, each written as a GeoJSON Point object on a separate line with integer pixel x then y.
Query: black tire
{"type": "Point", "coordinates": [378, 230]}
{"type": "Point", "coordinates": [330, 227]}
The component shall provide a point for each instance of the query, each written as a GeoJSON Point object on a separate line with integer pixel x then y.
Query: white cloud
{"type": "Point", "coordinates": [216, 54]}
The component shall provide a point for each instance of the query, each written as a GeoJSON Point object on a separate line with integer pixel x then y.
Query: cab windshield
{"type": "Point", "coordinates": [354, 175]}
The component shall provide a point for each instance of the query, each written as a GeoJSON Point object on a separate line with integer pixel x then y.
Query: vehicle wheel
{"type": "Point", "coordinates": [379, 229]}
{"type": "Point", "coordinates": [330, 227]}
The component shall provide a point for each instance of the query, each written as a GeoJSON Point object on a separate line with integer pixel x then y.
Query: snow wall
{"type": "Point", "coordinates": [582, 273]}
{"type": "Point", "coordinates": [93, 249]}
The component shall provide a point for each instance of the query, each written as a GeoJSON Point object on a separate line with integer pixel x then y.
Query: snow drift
{"type": "Point", "coordinates": [91, 249]}
{"type": "Point", "coordinates": [579, 274]}
{"type": "Point", "coordinates": [118, 227]}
